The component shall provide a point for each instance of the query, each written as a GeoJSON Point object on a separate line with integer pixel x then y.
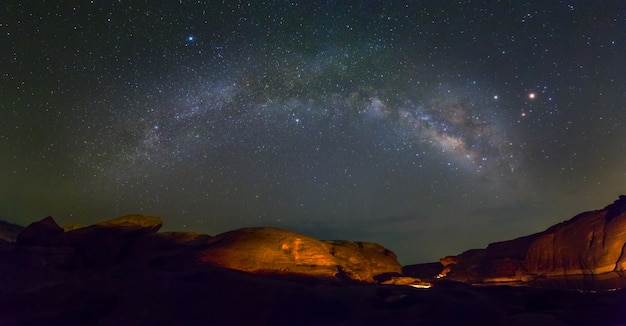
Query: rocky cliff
{"type": "Point", "coordinates": [591, 245]}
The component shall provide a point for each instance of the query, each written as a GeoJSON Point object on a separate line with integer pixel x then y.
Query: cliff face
{"type": "Point", "coordinates": [590, 244]}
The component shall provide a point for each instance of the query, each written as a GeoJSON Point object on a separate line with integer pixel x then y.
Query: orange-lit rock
{"type": "Point", "coordinates": [269, 249]}
{"type": "Point", "coordinates": [273, 250]}
{"type": "Point", "coordinates": [590, 243]}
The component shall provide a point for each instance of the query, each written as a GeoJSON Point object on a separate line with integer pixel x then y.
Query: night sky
{"type": "Point", "coordinates": [430, 127]}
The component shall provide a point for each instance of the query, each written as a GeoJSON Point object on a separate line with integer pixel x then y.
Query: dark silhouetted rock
{"type": "Point", "coordinates": [426, 271]}
{"type": "Point", "coordinates": [617, 208]}
{"type": "Point", "coordinates": [43, 232]}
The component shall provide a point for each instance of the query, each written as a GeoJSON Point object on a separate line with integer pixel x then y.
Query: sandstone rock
{"type": "Point", "coordinates": [134, 221]}
{"type": "Point", "coordinates": [269, 250]}
{"type": "Point", "coordinates": [43, 232]}
{"type": "Point", "coordinates": [273, 250]}
{"type": "Point", "coordinates": [591, 243]}
{"type": "Point", "coordinates": [362, 260]}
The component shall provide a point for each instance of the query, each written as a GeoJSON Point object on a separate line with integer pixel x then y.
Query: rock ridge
{"type": "Point", "coordinates": [264, 250]}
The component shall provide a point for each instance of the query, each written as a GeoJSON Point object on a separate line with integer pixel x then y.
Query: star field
{"type": "Point", "coordinates": [430, 127]}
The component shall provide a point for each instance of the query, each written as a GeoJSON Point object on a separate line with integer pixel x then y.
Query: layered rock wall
{"type": "Point", "coordinates": [589, 244]}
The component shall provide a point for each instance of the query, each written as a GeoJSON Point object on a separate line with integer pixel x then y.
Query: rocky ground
{"type": "Point", "coordinates": [123, 272]}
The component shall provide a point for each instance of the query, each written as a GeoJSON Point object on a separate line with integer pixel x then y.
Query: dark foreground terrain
{"type": "Point", "coordinates": [144, 293]}
{"type": "Point", "coordinates": [123, 272]}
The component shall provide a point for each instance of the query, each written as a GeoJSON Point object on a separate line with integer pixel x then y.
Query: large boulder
{"type": "Point", "coordinates": [273, 250]}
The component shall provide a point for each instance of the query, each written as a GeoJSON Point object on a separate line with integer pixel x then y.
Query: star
{"type": "Point", "coordinates": [280, 100]}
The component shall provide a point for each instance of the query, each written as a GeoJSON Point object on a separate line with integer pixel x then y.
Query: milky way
{"type": "Point", "coordinates": [428, 127]}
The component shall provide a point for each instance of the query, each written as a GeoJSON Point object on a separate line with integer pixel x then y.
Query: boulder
{"type": "Point", "coordinates": [277, 251]}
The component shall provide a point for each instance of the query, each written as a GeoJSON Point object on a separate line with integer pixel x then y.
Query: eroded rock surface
{"type": "Point", "coordinates": [273, 250]}
{"type": "Point", "coordinates": [591, 244]}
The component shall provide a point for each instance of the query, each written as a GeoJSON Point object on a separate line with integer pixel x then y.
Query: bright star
{"type": "Point", "coordinates": [191, 38]}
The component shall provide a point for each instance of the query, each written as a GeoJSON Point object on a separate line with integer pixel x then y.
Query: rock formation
{"type": "Point", "coordinates": [591, 244]}
{"type": "Point", "coordinates": [124, 272]}
{"type": "Point", "coordinates": [274, 250]}
{"type": "Point", "coordinates": [44, 232]}
{"type": "Point", "coordinates": [256, 250]}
